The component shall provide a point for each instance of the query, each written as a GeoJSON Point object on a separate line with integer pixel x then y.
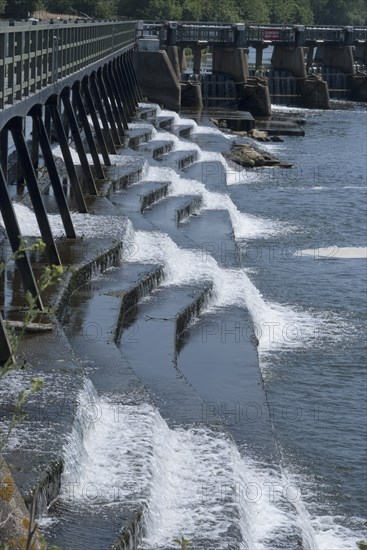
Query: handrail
{"type": "Point", "coordinates": [32, 57]}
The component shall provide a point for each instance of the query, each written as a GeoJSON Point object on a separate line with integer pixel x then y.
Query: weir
{"type": "Point", "coordinates": [149, 353]}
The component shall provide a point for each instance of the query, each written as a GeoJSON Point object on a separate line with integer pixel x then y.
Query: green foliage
{"type": "Point", "coordinates": [183, 543]}
{"type": "Point", "coordinates": [163, 10]}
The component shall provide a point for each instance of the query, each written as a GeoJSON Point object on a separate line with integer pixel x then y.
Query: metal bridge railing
{"type": "Point", "coordinates": [179, 32]}
{"type": "Point", "coordinates": [34, 56]}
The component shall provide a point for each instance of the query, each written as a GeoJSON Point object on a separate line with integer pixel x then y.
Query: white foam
{"type": "Point", "coordinates": [275, 325]}
{"type": "Point", "coordinates": [245, 226]}
{"type": "Point", "coordinates": [330, 252]}
{"type": "Point", "coordinates": [86, 225]}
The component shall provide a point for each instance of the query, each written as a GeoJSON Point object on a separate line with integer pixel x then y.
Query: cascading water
{"type": "Point", "coordinates": [191, 481]}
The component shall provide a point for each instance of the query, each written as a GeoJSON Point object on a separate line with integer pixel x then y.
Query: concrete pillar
{"type": "Point", "coordinates": [289, 58]}
{"type": "Point", "coordinates": [232, 62]}
{"type": "Point", "coordinates": [259, 55]}
{"type": "Point", "coordinates": [172, 52]}
{"type": "Point", "coordinates": [166, 89]}
{"type": "Point", "coordinates": [310, 51]}
{"type": "Point", "coordinates": [360, 53]}
{"type": "Point", "coordinates": [196, 52]}
{"type": "Point", "coordinates": [191, 95]}
{"type": "Point", "coordinates": [338, 57]}
{"type": "Point", "coordinates": [182, 59]}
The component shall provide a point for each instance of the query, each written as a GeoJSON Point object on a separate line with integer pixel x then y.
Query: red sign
{"type": "Point", "coordinates": [271, 34]}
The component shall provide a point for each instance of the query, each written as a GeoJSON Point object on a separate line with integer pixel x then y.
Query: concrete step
{"type": "Point", "coordinates": [232, 389]}
{"type": "Point", "coordinates": [209, 172]}
{"type": "Point", "coordinates": [162, 319]}
{"type": "Point", "coordinates": [167, 214]}
{"type": "Point", "coordinates": [141, 196]}
{"type": "Point", "coordinates": [180, 159]}
{"type": "Point", "coordinates": [146, 111]}
{"type": "Point", "coordinates": [138, 134]}
{"type": "Point", "coordinates": [182, 130]}
{"type": "Point", "coordinates": [120, 176]}
{"type": "Point", "coordinates": [156, 148]}
{"type": "Point", "coordinates": [164, 122]}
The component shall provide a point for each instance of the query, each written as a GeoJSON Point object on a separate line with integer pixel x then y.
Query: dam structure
{"type": "Point", "coordinates": [152, 423]}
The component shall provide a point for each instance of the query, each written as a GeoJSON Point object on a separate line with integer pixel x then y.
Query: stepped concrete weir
{"type": "Point", "coordinates": [128, 344]}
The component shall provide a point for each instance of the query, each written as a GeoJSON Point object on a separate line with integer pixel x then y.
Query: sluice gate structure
{"type": "Point", "coordinates": [309, 64]}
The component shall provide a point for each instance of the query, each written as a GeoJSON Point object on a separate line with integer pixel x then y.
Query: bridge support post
{"type": "Point", "coordinates": [310, 54]}
{"type": "Point", "coordinates": [336, 56]}
{"type": "Point", "coordinates": [232, 62]}
{"type": "Point", "coordinates": [87, 131]}
{"type": "Point", "coordinates": [289, 58]}
{"type": "Point", "coordinates": [196, 51]}
{"type": "Point", "coordinates": [15, 236]}
{"type": "Point", "coordinates": [109, 89]}
{"type": "Point", "coordinates": [4, 152]}
{"type": "Point", "coordinates": [113, 78]}
{"type": "Point", "coordinates": [6, 353]}
{"type": "Point", "coordinates": [131, 86]}
{"type": "Point", "coordinates": [69, 111]}
{"type": "Point", "coordinates": [62, 139]}
{"type": "Point", "coordinates": [125, 92]}
{"type": "Point", "coordinates": [41, 133]}
{"type": "Point", "coordinates": [137, 89]}
{"type": "Point", "coordinates": [182, 59]}
{"type": "Point", "coordinates": [313, 91]}
{"type": "Point", "coordinates": [259, 49]}
{"type": "Point", "coordinates": [172, 52]}
{"type": "Point", "coordinates": [104, 97]}
{"type": "Point", "coordinates": [102, 114]}
{"type": "Point", "coordinates": [166, 89]}
{"type": "Point", "coordinates": [15, 126]}
{"type": "Point", "coordinates": [93, 114]}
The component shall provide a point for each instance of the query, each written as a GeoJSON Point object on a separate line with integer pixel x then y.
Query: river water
{"type": "Point", "coordinates": [301, 246]}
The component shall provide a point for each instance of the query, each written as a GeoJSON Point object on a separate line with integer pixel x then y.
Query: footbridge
{"type": "Point", "coordinates": [60, 82]}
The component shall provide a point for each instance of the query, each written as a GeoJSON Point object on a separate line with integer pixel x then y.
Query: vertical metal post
{"type": "Point", "coordinates": [87, 130]}
{"type": "Point", "coordinates": [65, 96]}
{"type": "Point", "coordinates": [116, 92]}
{"type": "Point", "coordinates": [109, 89]}
{"type": "Point", "coordinates": [4, 152]}
{"type": "Point", "coordinates": [36, 114]}
{"type": "Point", "coordinates": [6, 353]}
{"type": "Point", "coordinates": [102, 114]}
{"type": "Point", "coordinates": [107, 106]}
{"type": "Point", "coordinates": [93, 114]}
{"type": "Point", "coordinates": [122, 92]}
{"type": "Point", "coordinates": [14, 235]}
{"type": "Point", "coordinates": [16, 129]}
{"type": "Point", "coordinates": [139, 95]}
{"type": "Point", "coordinates": [127, 84]}
{"type": "Point", "coordinates": [61, 137]}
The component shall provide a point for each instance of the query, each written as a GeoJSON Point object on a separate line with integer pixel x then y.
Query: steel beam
{"type": "Point", "coordinates": [111, 96]}
{"type": "Point", "coordinates": [62, 139]}
{"type": "Point", "coordinates": [16, 128]}
{"type": "Point", "coordinates": [91, 186]}
{"type": "Point", "coordinates": [102, 114]}
{"type": "Point", "coordinates": [39, 128]}
{"type": "Point", "coordinates": [15, 239]}
{"type": "Point", "coordinates": [107, 107]}
{"type": "Point", "coordinates": [88, 133]}
{"type": "Point", "coordinates": [97, 128]}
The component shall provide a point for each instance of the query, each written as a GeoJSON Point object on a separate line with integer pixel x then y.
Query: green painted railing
{"type": "Point", "coordinates": [33, 56]}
